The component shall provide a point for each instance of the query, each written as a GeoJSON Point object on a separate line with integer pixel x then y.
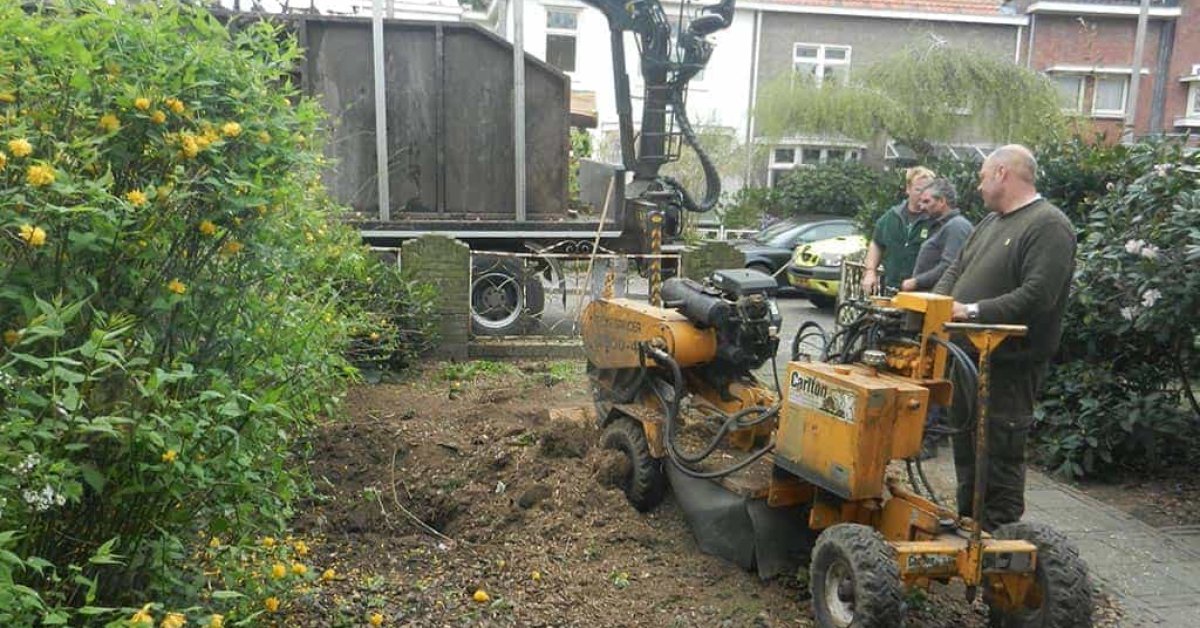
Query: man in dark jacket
{"type": "Point", "coordinates": [1015, 268]}
{"type": "Point", "coordinates": [898, 235]}
{"type": "Point", "coordinates": [948, 230]}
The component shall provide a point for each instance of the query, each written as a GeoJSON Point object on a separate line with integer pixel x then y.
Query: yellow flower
{"type": "Point", "coordinates": [230, 248]}
{"type": "Point", "coordinates": [177, 286]}
{"type": "Point", "coordinates": [33, 236]}
{"type": "Point", "coordinates": [271, 604]}
{"type": "Point", "coordinates": [20, 147]}
{"type": "Point", "coordinates": [375, 336]}
{"type": "Point", "coordinates": [268, 542]}
{"type": "Point", "coordinates": [3, 160]}
{"type": "Point", "coordinates": [536, 576]}
{"type": "Point", "coordinates": [169, 455]}
{"type": "Point", "coordinates": [207, 227]}
{"type": "Point", "coordinates": [231, 129]}
{"type": "Point", "coordinates": [175, 105]}
{"type": "Point", "coordinates": [214, 542]}
{"type": "Point", "coordinates": [301, 546]}
{"type": "Point", "coordinates": [376, 619]}
{"type": "Point", "coordinates": [481, 596]}
{"type": "Point", "coordinates": [264, 137]}
{"type": "Point", "coordinates": [278, 571]}
{"type": "Point", "coordinates": [299, 569]}
{"type": "Point", "coordinates": [328, 574]}
{"type": "Point", "coordinates": [143, 616]}
{"type": "Point", "coordinates": [109, 123]}
{"type": "Point", "coordinates": [173, 620]}
{"type": "Point", "coordinates": [216, 621]}
{"type": "Point", "coordinates": [7, 97]}
{"type": "Point", "coordinates": [142, 103]}
{"type": "Point", "coordinates": [158, 117]}
{"type": "Point", "coordinates": [40, 175]}
{"type": "Point", "coordinates": [137, 198]}
{"type": "Point", "coordinates": [11, 337]}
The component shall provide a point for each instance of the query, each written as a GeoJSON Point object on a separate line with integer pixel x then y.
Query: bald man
{"type": "Point", "coordinates": [1015, 268]}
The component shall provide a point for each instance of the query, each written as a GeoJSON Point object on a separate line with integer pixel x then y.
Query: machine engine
{"type": "Point", "coordinates": [738, 305]}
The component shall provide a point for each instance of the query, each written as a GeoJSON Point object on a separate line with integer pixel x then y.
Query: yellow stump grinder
{"type": "Point", "coordinates": [770, 476]}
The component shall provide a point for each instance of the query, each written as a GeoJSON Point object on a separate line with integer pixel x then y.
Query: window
{"type": "Point", "coordinates": [785, 156]}
{"type": "Point", "coordinates": [1070, 92]}
{"type": "Point", "coordinates": [561, 28]}
{"type": "Point", "coordinates": [785, 159]}
{"type": "Point", "coordinates": [1109, 99]}
{"type": "Point", "coordinates": [828, 230]}
{"type": "Point", "coordinates": [821, 62]}
{"type": "Point", "coordinates": [1193, 107]}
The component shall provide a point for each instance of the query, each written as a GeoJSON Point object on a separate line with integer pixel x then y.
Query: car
{"type": "Point", "coordinates": [816, 267]}
{"type": "Point", "coordinates": [770, 250]}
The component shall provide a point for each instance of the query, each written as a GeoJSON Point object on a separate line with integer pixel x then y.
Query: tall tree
{"type": "Point", "coordinates": [918, 96]}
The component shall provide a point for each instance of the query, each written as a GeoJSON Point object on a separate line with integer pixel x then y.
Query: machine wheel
{"type": "Point", "coordinates": [646, 485]}
{"type": "Point", "coordinates": [600, 379]}
{"type": "Point", "coordinates": [822, 301]}
{"type": "Point", "coordinates": [854, 579]}
{"type": "Point", "coordinates": [504, 298]}
{"type": "Point", "coordinates": [1063, 588]}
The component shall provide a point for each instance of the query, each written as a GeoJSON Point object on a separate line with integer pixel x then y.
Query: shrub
{"type": "Point", "coordinates": [1123, 392]}
{"type": "Point", "coordinates": [176, 295]}
{"type": "Point", "coordinates": [844, 188]}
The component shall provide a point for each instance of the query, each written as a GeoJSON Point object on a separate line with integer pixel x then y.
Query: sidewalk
{"type": "Point", "coordinates": [1154, 574]}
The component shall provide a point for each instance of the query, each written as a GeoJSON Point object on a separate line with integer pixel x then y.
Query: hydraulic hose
{"type": "Point", "coordinates": [672, 411]}
{"type": "Point", "coordinates": [712, 179]}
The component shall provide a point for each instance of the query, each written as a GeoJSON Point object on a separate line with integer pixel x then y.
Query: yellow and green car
{"type": "Point", "coordinates": [816, 268]}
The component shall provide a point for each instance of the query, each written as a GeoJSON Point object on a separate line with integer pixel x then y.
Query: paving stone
{"type": "Point", "coordinates": [1180, 617]}
{"type": "Point", "coordinates": [1186, 535]}
{"type": "Point", "coordinates": [1162, 602]}
{"type": "Point", "coordinates": [1080, 519]}
{"type": "Point", "coordinates": [1051, 499]}
{"type": "Point", "coordinates": [1142, 580]}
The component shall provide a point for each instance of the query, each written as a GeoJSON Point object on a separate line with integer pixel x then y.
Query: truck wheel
{"type": "Point", "coordinates": [1062, 594]}
{"type": "Point", "coordinates": [854, 579]}
{"type": "Point", "coordinates": [645, 486]}
{"type": "Point", "coordinates": [504, 298]}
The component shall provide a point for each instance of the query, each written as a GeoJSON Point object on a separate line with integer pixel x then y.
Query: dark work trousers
{"type": "Point", "coordinates": [1014, 388]}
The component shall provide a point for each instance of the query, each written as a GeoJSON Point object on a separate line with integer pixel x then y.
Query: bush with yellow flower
{"type": "Point", "coordinates": [164, 338]}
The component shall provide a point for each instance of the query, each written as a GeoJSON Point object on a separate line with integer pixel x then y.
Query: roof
{"type": "Point", "coordinates": [962, 7]}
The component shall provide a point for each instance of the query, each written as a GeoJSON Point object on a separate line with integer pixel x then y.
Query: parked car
{"type": "Point", "coordinates": [771, 249]}
{"type": "Point", "coordinates": [816, 268]}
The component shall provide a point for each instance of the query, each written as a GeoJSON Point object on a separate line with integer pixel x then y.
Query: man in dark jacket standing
{"type": "Point", "coordinates": [948, 231]}
{"type": "Point", "coordinates": [898, 235]}
{"type": "Point", "coordinates": [1015, 268]}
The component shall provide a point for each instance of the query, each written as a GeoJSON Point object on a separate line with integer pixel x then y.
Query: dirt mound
{"type": "Point", "coordinates": [432, 491]}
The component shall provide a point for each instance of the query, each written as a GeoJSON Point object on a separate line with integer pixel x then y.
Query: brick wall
{"type": "Point", "coordinates": [445, 263]}
{"type": "Point", "coordinates": [1185, 54]}
{"type": "Point", "coordinates": [700, 261]}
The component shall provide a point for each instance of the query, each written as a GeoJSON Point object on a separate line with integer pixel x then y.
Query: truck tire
{"type": "Point", "coordinates": [854, 579]}
{"type": "Point", "coordinates": [646, 485]}
{"type": "Point", "coordinates": [505, 299]}
{"type": "Point", "coordinates": [1061, 575]}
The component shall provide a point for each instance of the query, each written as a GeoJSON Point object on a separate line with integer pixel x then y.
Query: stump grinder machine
{"type": "Point", "coordinates": [762, 472]}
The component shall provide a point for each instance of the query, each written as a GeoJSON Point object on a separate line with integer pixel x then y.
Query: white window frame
{"type": "Point", "coordinates": [820, 61]}
{"type": "Point", "coordinates": [780, 168]}
{"type": "Point", "coordinates": [1110, 113]}
{"type": "Point", "coordinates": [1193, 101]}
{"type": "Point", "coordinates": [573, 33]}
{"type": "Point", "coordinates": [1080, 90]}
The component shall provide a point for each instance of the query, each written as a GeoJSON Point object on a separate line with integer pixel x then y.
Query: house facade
{"type": "Point", "coordinates": [1087, 49]}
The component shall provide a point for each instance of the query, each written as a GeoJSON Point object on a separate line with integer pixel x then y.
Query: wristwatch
{"type": "Point", "coordinates": [972, 312]}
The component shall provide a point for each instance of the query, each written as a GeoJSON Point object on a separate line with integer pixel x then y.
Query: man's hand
{"type": "Point", "coordinates": [870, 282]}
{"type": "Point", "coordinates": [958, 311]}
{"type": "Point", "coordinates": [908, 285]}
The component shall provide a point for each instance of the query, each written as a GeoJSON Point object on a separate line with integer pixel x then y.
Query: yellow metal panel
{"type": "Point", "coordinates": [613, 328]}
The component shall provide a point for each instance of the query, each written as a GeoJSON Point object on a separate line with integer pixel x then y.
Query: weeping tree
{"type": "Point", "coordinates": [918, 96]}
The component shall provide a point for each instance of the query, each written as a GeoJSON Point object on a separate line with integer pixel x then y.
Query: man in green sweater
{"type": "Point", "coordinates": [1015, 268]}
{"type": "Point", "coordinates": [898, 235]}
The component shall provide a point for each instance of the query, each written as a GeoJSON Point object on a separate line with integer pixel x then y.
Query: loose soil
{"type": "Point", "coordinates": [1168, 499]}
{"type": "Point", "coordinates": [433, 490]}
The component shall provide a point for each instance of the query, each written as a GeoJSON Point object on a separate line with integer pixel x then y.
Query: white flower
{"type": "Point", "coordinates": [1150, 297]}
{"type": "Point", "coordinates": [42, 500]}
{"type": "Point", "coordinates": [1109, 186]}
{"type": "Point", "coordinates": [28, 464]}
{"type": "Point", "coordinates": [1150, 251]}
{"type": "Point", "coordinates": [1162, 169]}
{"type": "Point", "coordinates": [1133, 247]}
{"type": "Point", "coordinates": [1128, 312]}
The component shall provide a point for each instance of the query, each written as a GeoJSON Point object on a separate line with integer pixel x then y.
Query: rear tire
{"type": "Point", "coordinates": [505, 299]}
{"type": "Point", "coordinates": [1061, 575]}
{"type": "Point", "coordinates": [854, 579]}
{"type": "Point", "coordinates": [646, 484]}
